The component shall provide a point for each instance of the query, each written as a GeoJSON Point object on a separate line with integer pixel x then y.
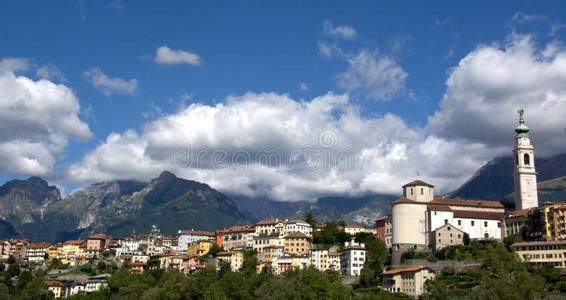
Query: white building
{"type": "Point", "coordinates": [410, 281]}
{"type": "Point", "coordinates": [186, 237]}
{"type": "Point", "coordinates": [417, 214]}
{"type": "Point", "coordinates": [127, 247]}
{"type": "Point", "coordinates": [320, 259]}
{"type": "Point", "coordinates": [294, 226]}
{"type": "Point", "coordinates": [352, 260]}
{"type": "Point", "coordinates": [525, 175]}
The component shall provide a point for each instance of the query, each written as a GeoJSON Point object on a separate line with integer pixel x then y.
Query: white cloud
{"type": "Point", "coordinates": [37, 119]}
{"type": "Point", "coordinates": [110, 85]}
{"type": "Point", "coordinates": [50, 72]}
{"type": "Point", "coordinates": [325, 147]}
{"type": "Point", "coordinates": [377, 77]}
{"type": "Point", "coordinates": [345, 32]}
{"type": "Point", "coordinates": [328, 50]}
{"type": "Point", "coordinates": [166, 56]}
{"type": "Point", "coordinates": [491, 83]}
{"type": "Point", "coordinates": [303, 86]}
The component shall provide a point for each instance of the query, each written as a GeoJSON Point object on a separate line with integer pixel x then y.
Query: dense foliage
{"type": "Point", "coordinates": [502, 276]}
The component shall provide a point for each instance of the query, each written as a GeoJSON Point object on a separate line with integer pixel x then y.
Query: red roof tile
{"type": "Point", "coordinates": [412, 269]}
{"type": "Point", "coordinates": [197, 232]}
{"type": "Point", "coordinates": [471, 203]}
{"type": "Point", "coordinates": [472, 214]}
{"type": "Point", "coordinates": [439, 207]}
{"type": "Point", "coordinates": [418, 182]}
{"type": "Point", "coordinates": [297, 235]}
{"type": "Point", "coordinates": [52, 283]}
{"type": "Point", "coordinates": [73, 242]}
{"type": "Point", "coordinates": [269, 222]}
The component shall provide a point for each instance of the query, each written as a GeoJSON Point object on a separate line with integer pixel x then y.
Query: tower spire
{"type": "Point", "coordinates": [525, 173]}
{"type": "Point", "coordinates": [522, 129]}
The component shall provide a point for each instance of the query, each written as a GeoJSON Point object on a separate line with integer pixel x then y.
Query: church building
{"type": "Point", "coordinates": [417, 215]}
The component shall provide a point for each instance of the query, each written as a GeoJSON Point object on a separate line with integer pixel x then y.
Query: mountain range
{"type": "Point", "coordinates": [35, 210]}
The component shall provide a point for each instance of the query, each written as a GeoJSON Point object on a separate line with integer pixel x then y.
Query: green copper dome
{"type": "Point", "coordinates": [522, 129]}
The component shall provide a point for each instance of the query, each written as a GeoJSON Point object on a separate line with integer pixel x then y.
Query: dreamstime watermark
{"type": "Point", "coordinates": [323, 156]}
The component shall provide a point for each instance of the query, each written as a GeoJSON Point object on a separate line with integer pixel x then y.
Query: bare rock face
{"type": "Point", "coordinates": [22, 201]}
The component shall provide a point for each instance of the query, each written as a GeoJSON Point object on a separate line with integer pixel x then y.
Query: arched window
{"type": "Point", "coordinates": [527, 159]}
{"type": "Point", "coordinates": [422, 191]}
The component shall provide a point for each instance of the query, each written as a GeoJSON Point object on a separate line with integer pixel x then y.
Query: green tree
{"type": "Point", "coordinates": [13, 270]}
{"type": "Point", "coordinates": [214, 249]}
{"type": "Point", "coordinates": [504, 276]}
{"type": "Point", "coordinates": [309, 218]}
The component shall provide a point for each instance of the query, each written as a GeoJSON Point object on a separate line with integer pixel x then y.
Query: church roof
{"type": "Point", "coordinates": [439, 203]}
{"type": "Point", "coordinates": [439, 207]}
{"type": "Point", "coordinates": [418, 182]}
{"type": "Point", "coordinates": [472, 214]}
{"type": "Point", "coordinates": [470, 203]}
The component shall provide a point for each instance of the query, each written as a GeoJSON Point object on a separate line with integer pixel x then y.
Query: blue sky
{"type": "Point", "coordinates": [391, 60]}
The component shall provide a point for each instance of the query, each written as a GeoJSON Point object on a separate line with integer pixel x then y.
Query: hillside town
{"type": "Point", "coordinates": [420, 222]}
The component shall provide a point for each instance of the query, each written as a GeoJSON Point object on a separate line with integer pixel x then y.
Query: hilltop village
{"type": "Point", "coordinates": [420, 225]}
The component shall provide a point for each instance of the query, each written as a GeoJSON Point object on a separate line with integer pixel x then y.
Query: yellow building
{"type": "Point", "coordinates": [555, 215]}
{"type": "Point", "coordinates": [199, 248]}
{"type": "Point", "coordinates": [71, 251]}
{"type": "Point", "coordinates": [235, 259]}
{"type": "Point", "coordinates": [55, 251]}
{"type": "Point", "coordinates": [171, 262]}
{"type": "Point", "coordinates": [298, 243]}
{"type": "Point", "coordinates": [542, 252]}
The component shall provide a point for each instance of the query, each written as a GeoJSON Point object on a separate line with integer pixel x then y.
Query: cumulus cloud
{"type": "Point", "coordinates": [109, 85]}
{"type": "Point", "coordinates": [37, 119]}
{"type": "Point", "coordinates": [345, 32]}
{"type": "Point", "coordinates": [274, 146]}
{"type": "Point", "coordinates": [488, 86]}
{"type": "Point", "coordinates": [166, 56]}
{"type": "Point", "coordinates": [377, 77]}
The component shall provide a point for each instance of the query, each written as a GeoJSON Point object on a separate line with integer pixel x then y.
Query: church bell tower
{"type": "Point", "coordinates": [525, 175]}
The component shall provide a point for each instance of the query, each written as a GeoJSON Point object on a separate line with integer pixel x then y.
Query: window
{"type": "Point", "coordinates": [445, 221]}
{"type": "Point", "coordinates": [527, 159]}
{"type": "Point", "coordinates": [459, 222]}
{"type": "Point", "coordinates": [485, 224]}
{"type": "Point", "coordinates": [499, 224]}
{"type": "Point", "coordinates": [411, 191]}
{"type": "Point", "coordinates": [449, 229]}
{"type": "Point", "coordinates": [473, 223]}
{"type": "Point", "coordinates": [422, 191]}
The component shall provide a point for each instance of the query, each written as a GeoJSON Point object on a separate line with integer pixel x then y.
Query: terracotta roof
{"type": "Point", "coordinates": [137, 264]}
{"type": "Point", "coordinates": [73, 242]}
{"type": "Point", "coordinates": [354, 226]}
{"type": "Point", "coordinates": [98, 236]}
{"type": "Point", "coordinates": [52, 283]}
{"type": "Point", "coordinates": [38, 245]}
{"type": "Point", "coordinates": [472, 214]}
{"type": "Point", "coordinates": [16, 241]}
{"type": "Point", "coordinates": [439, 207]}
{"type": "Point", "coordinates": [383, 218]}
{"type": "Point", "coordinates": [471, 203]}
{"type": "Point", "coordinates": [334, 253]}
{"type": "Point", "coordinates": [418, 182]}
{"type": "Point", "coordinates": [297, 235]}
{"type": "Point", "coordinates": [224, 253]}
{"type": "Point", "coordinates": [412, 269]}
{"type": "Point", "coordinates": [268, 222]}
{"type": "Point", "coordinates": [518, 213]}
{"type": "Point", "coordinates": [243, 228]}
{"type": "Point", "coordinates": [197, 232]}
